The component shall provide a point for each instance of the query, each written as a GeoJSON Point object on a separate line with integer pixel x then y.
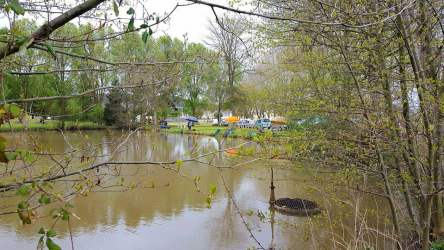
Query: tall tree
{"type": "Point", "coordinates": [225, 38]}
{"type": "Point", "coordinates": [198, 77]}
{"type": "Point", "coordinates": [218, 88]}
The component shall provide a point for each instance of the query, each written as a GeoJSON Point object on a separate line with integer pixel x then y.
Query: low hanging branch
{"type": "Point", "coordinates": [45, 30]}
{"type": "Point", "coordinates": [166, 165]}
{"type": "Point", "coordinates": [111, 63]}
{"type": "Point", "coordinates": [56, 71]}
{"type": "Point", "coordinates": [85, 93]}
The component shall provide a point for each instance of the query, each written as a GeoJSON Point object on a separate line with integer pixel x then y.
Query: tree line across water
{"type": "Point", "coordinates": [152, 76]}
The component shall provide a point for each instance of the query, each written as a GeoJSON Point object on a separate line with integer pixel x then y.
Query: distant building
{"type": "Point", "coordinates": [178, 106]}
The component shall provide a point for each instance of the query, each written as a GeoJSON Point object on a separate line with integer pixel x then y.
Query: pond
{"type": "Point", "coordinates": [173, 214]}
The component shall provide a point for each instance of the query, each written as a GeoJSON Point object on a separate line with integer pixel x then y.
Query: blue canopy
{"type": "Point", "coordinates": [191, 118]}
{"type": "Point", "coordinates": [175, 119]}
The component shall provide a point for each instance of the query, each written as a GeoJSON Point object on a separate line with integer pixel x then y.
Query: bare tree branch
{"type": "Point", "coordinates": [45, 30]}
{"type": "Point", "coordinates": [213, 5]}
{"type": "Point", "coordinates": [90, 91]}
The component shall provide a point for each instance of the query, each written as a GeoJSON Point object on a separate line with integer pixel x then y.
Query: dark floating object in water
{"type": "Point", "coordinates": [296, 203]}
{"type": "Point", "coordinates": [297, 206]}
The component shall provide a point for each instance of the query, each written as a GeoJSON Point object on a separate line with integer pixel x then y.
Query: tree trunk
{"type": "Point", "coordinates": [394, 135]}
{"type": "Point", "coordinates": [155, 117]}
{"type": "Point", "coordinates": [419, 80]}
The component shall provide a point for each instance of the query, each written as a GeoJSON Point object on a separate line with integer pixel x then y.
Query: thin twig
{"type": "Point", "coordinates": [238, 211]}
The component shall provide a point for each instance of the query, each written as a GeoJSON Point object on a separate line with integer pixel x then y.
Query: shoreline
{"type": "Point", "coordinates": [199, 130]}
{"type": "Point", "coordinates": [245, 133]}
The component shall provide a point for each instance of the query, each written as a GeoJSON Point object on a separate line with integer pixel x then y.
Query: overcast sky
{"type": "Point", "coordinates": [191, 19]}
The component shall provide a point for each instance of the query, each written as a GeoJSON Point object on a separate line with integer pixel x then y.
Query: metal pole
{"type": "Point", "coordinates": [272, 196]}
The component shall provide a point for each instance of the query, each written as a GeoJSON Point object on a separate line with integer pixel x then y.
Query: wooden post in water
{"type": "Point", "coordinates": [272, 197]}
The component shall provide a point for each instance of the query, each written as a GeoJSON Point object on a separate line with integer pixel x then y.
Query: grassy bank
{"type": "Point", "coordinates": [208, 130]}
{"type": "Point", "coordinates": [34, 124]}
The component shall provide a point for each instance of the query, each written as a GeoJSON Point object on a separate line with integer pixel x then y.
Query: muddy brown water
{"type": "Point", "coordinates": [176, 217]}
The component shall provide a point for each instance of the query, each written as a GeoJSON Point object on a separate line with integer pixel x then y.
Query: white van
{"type": "Point", "coordinates": [222, 122]}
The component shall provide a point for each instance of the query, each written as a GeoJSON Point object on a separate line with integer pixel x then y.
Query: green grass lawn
{"type": "Point", "coordinates": [34, 124]}
{"type": "Point", "coordinates": [208, 129]}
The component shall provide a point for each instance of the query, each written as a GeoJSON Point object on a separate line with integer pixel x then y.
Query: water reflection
{"type": "Point", "coordinates": [173, 216]}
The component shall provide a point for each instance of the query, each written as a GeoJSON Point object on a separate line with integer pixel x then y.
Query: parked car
{"type": "Point", "coordinates": [264, 123]}
{"type": "Point", "coordinates": [222, 122]}
{"type": "Point", "coordinates": [277, 127]}
{"type": "Point", "coordinates": [246, 123]}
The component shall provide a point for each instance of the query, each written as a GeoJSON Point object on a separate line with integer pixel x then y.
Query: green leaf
{"type": "Point", "coordinates": [40, 244]}
{"type": "Point", "coordinates": [52, 211]}
{"type": "Point", "coordinates": [46, 184]}
{"type": "Point", "coordinates": [144, 36]}
{"type": "Point", "coordinates": [116, 8]}
{"type": "Point", "coordinates": [13, 108]}
{"type": "Point", "coordinates": [21, 41]}
{"type": "Point", "coordinates": [16, 7]}
{"type": "Point", "coordinates": [8, 75]}
{"type": "Point", "coordinates": [152, 182]}
{"type": "Point", "coordinates": [131, 24]}
{"type": "Point", "coordinates": [41, 231]}
{"type": "Point", "coordinates": [51, 245]}
{"type": "Point", "coordinates": [46, 200]}
{"type": "Point", "coordinates": [51, 233]}
{"type": "Point", "coordinates": [122, 179]}
{"type": "Point", "coordinates": [143, 26]}
{"type": "Point", "coordinates": [50, 49]}
{"type": "Point", "coordinates": [65, 216]}
{"type": "Point", "coordinates": [208, 200]}
{"type": "Point", "coordinates": [179, 163]}
{"type": "Point", "coordinates": [30, 158]}
{"type": "Point", "coordinates": [23, 190]}
{"type": "Point", "coordinates": [130, 11]}
{"type": "Point", "coordinates": [23, 49]}
{"type": "Point", "coordinates": [212, 189]}
{"type": "Point", "coordinates": [23, 205]}
{"type": "Point", "coordinates": [431, 127]}
{"type": "Point", "coordinates": [56, 196]}
{"type": "Point", "coordinates": [157, 19]}
{"type": "Point", "coordinates": [25, 220]}
{"type": "Point", "coordinates": [2, 2]}
{"type": "Point", "coordinates": [11, 157]}
{"type": "Point", "coordinates": [288, 148]}
{"type": "Point", "coordinates": [150, 31]}
{"type": "Point", "coordinates": [70, 205]}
